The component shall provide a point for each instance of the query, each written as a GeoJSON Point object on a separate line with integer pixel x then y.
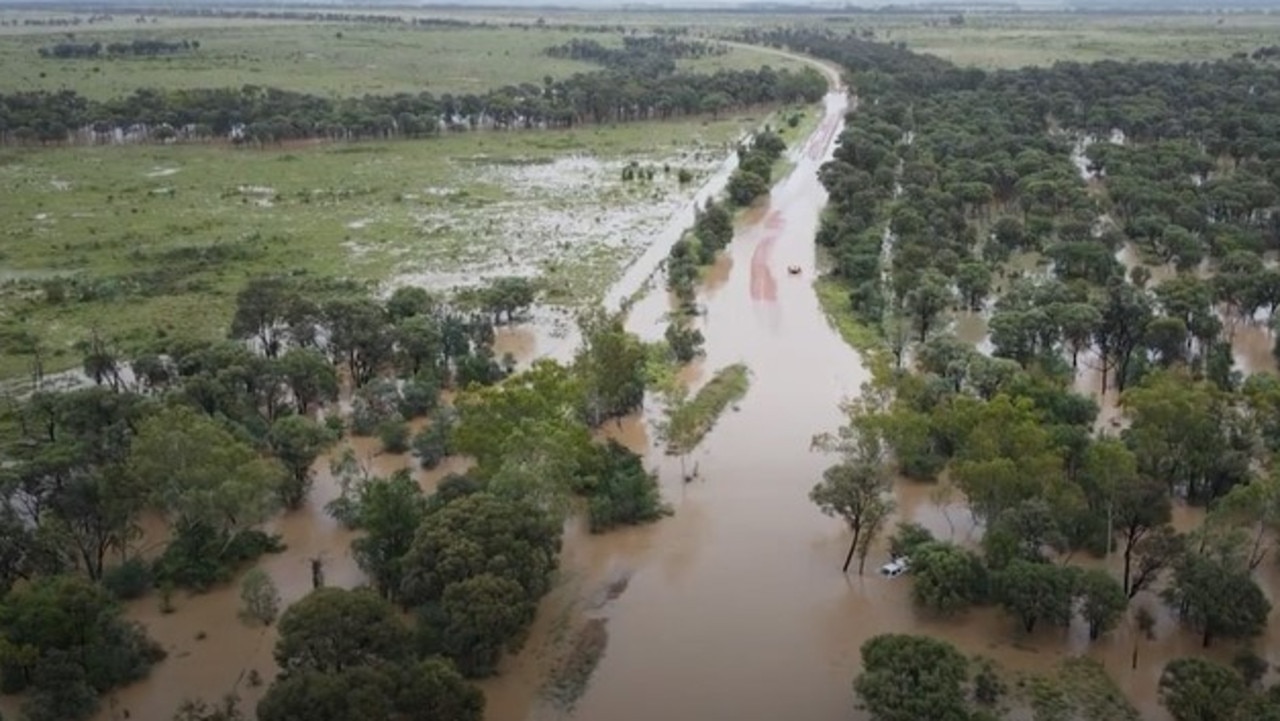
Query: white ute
{"type": "Point", "coordinates": [896, 567]}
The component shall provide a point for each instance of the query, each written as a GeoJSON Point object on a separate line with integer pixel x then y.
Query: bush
{"type": "Point", "coordinates": [907, 538]}
{"type": "Point", "coordinates": [621, 491]}
{"type": "Point", "coordinates": [130, 580]}
{"type": "Point", "coordinates": [431, 444]}
{"type": "Point", "coordinates": [419, 396]}
{"type": "Point", "coordinates": [335, 424]}
{"type": "Point", "coordinates": [260, 598]}
{"type": "Point", "coordinates": [374, 404]}
{"type": "Point", "coordinates": [685, 176]}
{"type": "Point", "coordinates": [199, 557]}
{"type": "Point", "coordinates": [685, 343]}
{"type": "Point", "coordinates": [744, 187]}
{"type": "Point", "coordinates": [394, 435]}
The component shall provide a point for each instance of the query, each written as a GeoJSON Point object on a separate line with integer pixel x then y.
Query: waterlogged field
{"type": "Point", "coordinates": [145, 242]}
{"type": "Point", "coordinates": [326, 59]}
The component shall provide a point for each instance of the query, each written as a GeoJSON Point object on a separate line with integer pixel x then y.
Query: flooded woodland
{"type": "Point", "coordinates": [734, 606]}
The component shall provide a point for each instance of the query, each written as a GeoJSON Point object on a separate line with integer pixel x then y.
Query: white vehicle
{"type": "Point", "coordinates": [896, 567]}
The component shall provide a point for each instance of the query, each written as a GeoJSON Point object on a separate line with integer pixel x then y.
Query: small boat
{"type": "Point", "coordinates": [793, 269]}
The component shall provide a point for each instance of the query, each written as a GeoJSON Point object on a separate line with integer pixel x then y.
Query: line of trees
{"type": "Point", "coordinates": [754, 175]}
{"type": "Point", "coordinates": [137, 48]}
{"type": "Point", "coordinates": [266, 115]}
{"type": "Point", "coordinates": [652, 54]}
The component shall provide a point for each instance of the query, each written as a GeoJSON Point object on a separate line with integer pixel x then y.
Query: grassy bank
{"type": "Point", "coordinates": [693, 419]}
{"type": "Point", "coordinates": [833, 296]}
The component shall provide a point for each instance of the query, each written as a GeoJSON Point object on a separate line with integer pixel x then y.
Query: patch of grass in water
{"type": "Point", "coordinates": [692, 420]}
{"type": "Point", "coordinates": [570, 678]}
{"type": "Point", "coordinates": [1081, 690]}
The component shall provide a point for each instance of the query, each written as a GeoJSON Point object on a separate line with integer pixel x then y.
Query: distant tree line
{"type": "Point", "coordinates": [264, 115]}
{"type": "Point", "coordinates": [650, 54]}
{"type": "Point", "coordinates": [138, 48]}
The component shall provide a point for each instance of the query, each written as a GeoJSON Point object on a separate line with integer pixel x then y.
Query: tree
{"type": "Point", "coordinates": [1123, 317]}
{"type": "Point", "coordinates": [1255, 505]}
{"type": "Point", "coordinates": [927, 300]}
{"type": "Point", "coordinates": [611, 364]}
{"type": "Point", "coordinates": [60, 631]}
{"type": "Point", "coordinates": [95, 512]}
{"type": "Point", "coordinates": [973, 281]}
{"type": "Point", "coordinates": [310, 377]}
{"type": "Point", "coordinates": [1078, 322]}
{"type": "Point", "coordinates": [431, 690]}
{"type": "Point", "coordinates": [619, 489]}
{"type": "Point", "coordinates": [1144, 625]}
{"type": "Point", "coordinates": [685, 343]}
{"type": "Point", "coordinates": [745, 186]}
{"type": "Point", "coordinates": [409, 301]}
{"type": "Point", "coordinates": [483, 616]}
{"type": "Point", "coordinates": [946, 578]}
{"type": "Point", "coordinates": [1103, 601]}
{"type": "Point", "coordinates": [1134, 505]}
{"type": "Point", "coordinates": [389, 511]}
{"type": "Point", "coordinates": [297, 441]}
{"type": "Point", "coordinates": [908, 539]}
{"type": "Point", "coordinates": [1154, 553]}
{"type": "Point", "coordinates": [1217, 599]}
{"type": "Point", "coordinates": [431, 444]}
{"type": "Point", "coordinates": [908, 678]}
{"type": "Point", "coordinates": [489, 416]}
{"type": "Point", "coordinates": [332, 629]}
{"type": "Point", "coordinates": [476, 534]}
{"type": "Point", "coordinates": [854, 492]}
{"type": "Point", "coordinates": [359, 335]}
{"type": "Point", "coordinates": [1178, 431]}
{"type": "Point", "coordinates": [438, 692]}
{"type": "Point", "coordinates": [1036, 591]}
{"type": "Point", "coordinates": [259, 597]}
{"type": "Point", "coordinates": [1196, 689]}
{"type": "Point", "coordinates": [261, 309]}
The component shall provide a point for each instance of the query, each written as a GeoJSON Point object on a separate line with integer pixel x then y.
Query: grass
{"type": "Point", "coordinates": [570, 678]}
{"type": "Point", "coordinates": [833, 296]}
{"type": "Point", "coordinates": [1081, 689]}
{"type": "Point", "coordinates": [810, 116]}
{"type": "Point", "coordinates": [1006, 41]}
{"type": "Point", "coordinates": [322, 58]}
{"type": "Point", "coordinates": [692, 420]}
{"type": "Point", "coordinates": [163, 237]}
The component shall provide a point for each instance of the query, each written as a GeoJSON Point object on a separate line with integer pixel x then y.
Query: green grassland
{"type": "Point", "coordinates": [320, 58]}
{"type": "Point", "coordinates": [1014, 41]}
{"type": "Point", "coordinates": [153, 241]}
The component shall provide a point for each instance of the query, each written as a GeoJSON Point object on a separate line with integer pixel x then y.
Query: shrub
{"type": "Point", "coordinates": [394, 435]}
{"type": "Point", "coordinates": [129, 580]}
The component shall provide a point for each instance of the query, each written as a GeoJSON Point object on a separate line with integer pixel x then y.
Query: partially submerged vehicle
{"type": "Point", "coordinates": [896, 567]}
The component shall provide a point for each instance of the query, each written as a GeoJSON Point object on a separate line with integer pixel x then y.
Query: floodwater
{"type": "Point", "coordinates": [735, 606]}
